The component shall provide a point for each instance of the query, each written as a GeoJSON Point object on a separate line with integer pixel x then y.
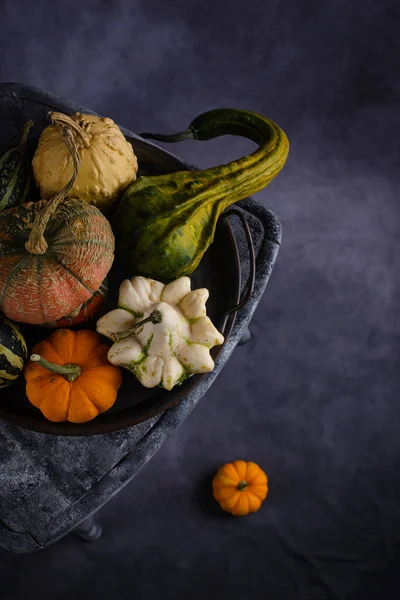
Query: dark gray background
{"type": "Point", "coordinates": [314, 398]}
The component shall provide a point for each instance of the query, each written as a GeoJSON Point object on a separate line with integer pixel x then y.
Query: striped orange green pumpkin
{"type": "Point", "coordinates": [54, 254]}
{"type": "Point", "coordinates": [86, 312]}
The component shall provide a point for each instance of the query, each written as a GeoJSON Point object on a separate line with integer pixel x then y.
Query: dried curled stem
{"type": "Point", "coordinates": [61, 119]}
{"type": "Point", "coordinates": [36, 243]}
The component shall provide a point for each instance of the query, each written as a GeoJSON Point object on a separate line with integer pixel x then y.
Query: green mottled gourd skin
{"type": "Point", "coordinates": [165, 223]}
{"type": "Point", "coordinates": [13, 352]}
{"type": "Point", "coordinates": [15, 174]}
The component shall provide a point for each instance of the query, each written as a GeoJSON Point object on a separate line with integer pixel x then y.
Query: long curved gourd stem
{"type": "Point", "coordinates": [60, 118]}
{"type": "Point", "coordinates": [182, 136]}
{"type": "Point", "coordinates": [27, 127]}
{"type": "Point", "coordinates": [70, 371]}
{"type": "Point", "coordinates": [247, 172]}
{"type": "Point", "coordinates": [36, 244]}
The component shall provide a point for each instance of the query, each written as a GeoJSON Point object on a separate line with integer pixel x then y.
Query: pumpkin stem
{"type": "Point", "coordinates": [70, 371]}
{"type": "Point", "coordinates": [242, 485]}
{"type": "Point", "coordinates": [36, 244]}
{"type": "Point", "coordinates": [25, 133]}
{"type": "Point", "coordinates": [60, 118]}
{"type": "Point", "coordinates": [154, 317]}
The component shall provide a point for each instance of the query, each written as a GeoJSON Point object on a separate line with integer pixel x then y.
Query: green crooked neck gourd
{"type": "Point", "coordinates": [15, 173]}
{"type": "Point", "coordinates": [165, 223]}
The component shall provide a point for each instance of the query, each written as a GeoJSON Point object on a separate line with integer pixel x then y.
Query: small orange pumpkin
{"type": "Point", "coordinates": [240, 487]}
{"type": "Point", "coordinates": [69, 377]}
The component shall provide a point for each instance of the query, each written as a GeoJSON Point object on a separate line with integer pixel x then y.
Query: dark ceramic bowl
{"type": "Point", "coordinates": [219, 272]}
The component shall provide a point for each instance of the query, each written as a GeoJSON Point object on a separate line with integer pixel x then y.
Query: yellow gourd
{"type": "Point", "coordinates": [108, 162]}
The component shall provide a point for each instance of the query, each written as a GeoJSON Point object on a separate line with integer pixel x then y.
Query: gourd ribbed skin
{"type": "Point", "coordinates": [164, 224]}
{"type": "Point", "coordinates": [13, 352]}
{"type": "Point", "coordinates": [84, 313]}
{"type": "Point", "coordinates": [40, 288]}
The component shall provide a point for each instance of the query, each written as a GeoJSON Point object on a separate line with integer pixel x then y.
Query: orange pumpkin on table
{"type": "Point", "coordinates": [69, 377]}
{"type": "Point", "coordinates": [240, 487]}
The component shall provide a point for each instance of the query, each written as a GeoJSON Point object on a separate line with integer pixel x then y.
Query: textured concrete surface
{"type": "Point", "coordinates": [314, 397]}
